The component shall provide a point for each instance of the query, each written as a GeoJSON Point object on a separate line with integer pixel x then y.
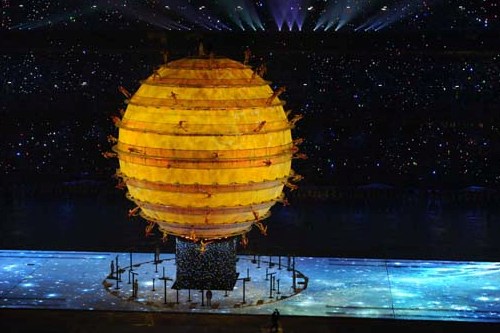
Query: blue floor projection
{"type": "Point", "coordinates": [335, 287]}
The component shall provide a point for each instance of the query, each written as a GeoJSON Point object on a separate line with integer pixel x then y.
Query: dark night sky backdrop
{"type": "Point", "coordinates": [405, 92]}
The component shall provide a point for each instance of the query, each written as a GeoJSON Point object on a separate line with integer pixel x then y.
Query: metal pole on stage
{"type": "Point", "coordinates": [117, 280]}
{"type": "Point", "coordinates": [271, 284]}
{"type": "Point", "coordinates": [164, 291]}
{"type": "Point", "coordinates": [133, 283]}
{"type": "Point", "coordinates": [244, 281]}
{"type": "Point", "coordinates": [131, 267]}
{"type": "Point", "coordinates": [165, 279]}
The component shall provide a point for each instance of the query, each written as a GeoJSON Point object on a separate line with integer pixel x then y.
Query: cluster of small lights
{"type": "Point", "coordinates": [485, 13]}
{"type": "Point", "coordinates": [51, 99]}
{"type": "Point", "coordinates": [5, 20]}
{"type": "Point", "coordinates": [243, 15]}
{"type": "Point", "coordinates": [53, 147]}
{"type": "Point", "coordinates": [395, 116]}
{"type": "Point", "coordinates": [419, 119]}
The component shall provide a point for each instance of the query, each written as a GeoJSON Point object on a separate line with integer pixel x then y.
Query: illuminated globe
{"type": "Point", "coordinates": [205, 148]}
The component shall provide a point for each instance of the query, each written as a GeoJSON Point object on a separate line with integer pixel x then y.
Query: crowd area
{"type": "Point", "coordinates": [400, 115]}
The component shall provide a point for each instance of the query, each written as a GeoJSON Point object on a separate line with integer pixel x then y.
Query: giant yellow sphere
{"type": "Point", "coordinates": [205, 148]}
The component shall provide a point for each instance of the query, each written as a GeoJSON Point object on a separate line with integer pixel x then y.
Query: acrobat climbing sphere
{"type": "Point", "coordinates": [205, 148]}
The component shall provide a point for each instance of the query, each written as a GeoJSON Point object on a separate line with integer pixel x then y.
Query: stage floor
{"type": "Point", "coordinates": [324, 287]}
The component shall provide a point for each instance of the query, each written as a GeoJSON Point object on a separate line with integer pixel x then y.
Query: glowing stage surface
{"type": "Point", "coordinates": [325, 287]}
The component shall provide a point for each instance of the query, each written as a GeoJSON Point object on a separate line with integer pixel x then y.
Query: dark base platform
{"type": "Point", "coordinates": [214, 268]}
{"type": "Point", "coordinates": [55, 321]}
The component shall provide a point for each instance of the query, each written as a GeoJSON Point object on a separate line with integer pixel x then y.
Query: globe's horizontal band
{"type": "Point", "coordinates": [203, 232]}
{"type": "Point", "coordinates": [221, 155]}
{"type": "Point", "coordinates": [201, 188]}
{"type": "Point", "coordinates": [203, 211]}
{"type": "Point", "coordinates": [176, 82]}
{"type": "Point", "coordinates": [263, 161]}
{"type": "Point", "coordinates": [197, 63]}
{"type": "Point", "coordinates": [206, 235]}
{"type": "Point", "coordinates": [204, 226]}
{"type": "Point", "coordinates": [204, 103]}
{"type": "Point", "coordinates": [188, 129]}
{"type": "Point", "coordinates": [273, 110]}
